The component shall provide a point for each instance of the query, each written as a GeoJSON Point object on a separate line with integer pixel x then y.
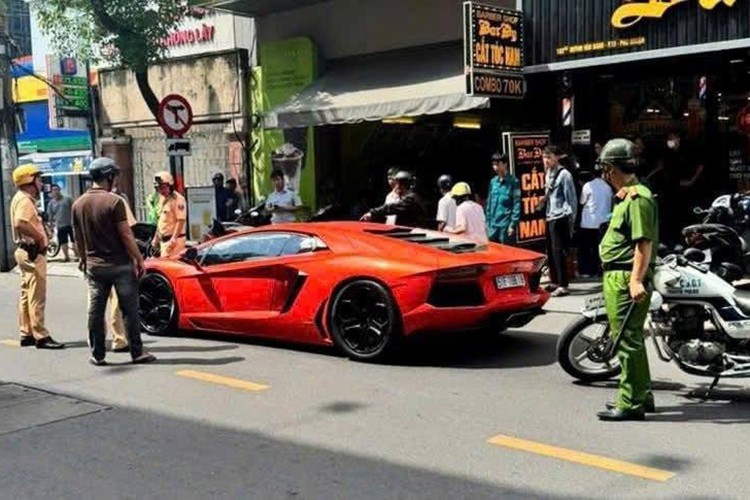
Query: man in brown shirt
{"type": "Point", "coordinates": [109, 258]}
{"type": "Point", "coordinates": [31, 244]}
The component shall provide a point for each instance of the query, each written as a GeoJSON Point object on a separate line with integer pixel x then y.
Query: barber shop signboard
{"type": "Point", "coordinates": [563, 30]}
{"type": "Point", "coordinates": [493, 51]}
{"type": "Point", "coordinates": [525, 151]}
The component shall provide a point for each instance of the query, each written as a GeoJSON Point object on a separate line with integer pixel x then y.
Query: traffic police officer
{"type": "Point", "coordinates": [31, 245]}
{"type": "Point", "coordinates": [628, 255]}
{"type": "Point", "coordinates": [503, 211]}
{"type": "Point", "coordinates": [170, 228]}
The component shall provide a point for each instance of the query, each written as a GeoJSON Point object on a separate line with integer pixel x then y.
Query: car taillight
{"type": "Point", "coordinates": [461, 273]}
{"type": "Point", "coordinates": [538, 264]}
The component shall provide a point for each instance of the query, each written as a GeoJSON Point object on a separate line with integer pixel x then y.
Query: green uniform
{"type": "Point", "coordinates": [153, 204]}
{"type": "Point", "coordinates": [634, 218]}
{"type": "Point", "coordinates": [503, 210]}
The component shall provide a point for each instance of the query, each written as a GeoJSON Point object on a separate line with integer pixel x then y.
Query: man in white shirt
{"type": "Point", "coordinates": [446, 212]}
{"type": "Point", "coordinates": [470, 221]}
{"type": "Point", "coordinates": [282, 202]}
{"type": "Point", "coordinates": [596, 200]}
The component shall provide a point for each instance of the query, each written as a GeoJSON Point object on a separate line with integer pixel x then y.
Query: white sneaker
{"type": "Point", "coordinates": [560, 292]}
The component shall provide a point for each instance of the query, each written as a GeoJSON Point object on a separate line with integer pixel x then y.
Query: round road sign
{"type": "Point", "coordinates": [175, 115]}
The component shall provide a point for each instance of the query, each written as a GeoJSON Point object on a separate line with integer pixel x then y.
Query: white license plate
{"type": "Point", "coordinates": [509, 281]}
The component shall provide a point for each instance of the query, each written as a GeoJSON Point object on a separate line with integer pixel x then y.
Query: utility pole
{"type": "Point", "coordinates": [8, 147]}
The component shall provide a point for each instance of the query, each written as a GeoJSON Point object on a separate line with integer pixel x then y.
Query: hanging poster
{"type": "Point", "coordinates": [525, 151]}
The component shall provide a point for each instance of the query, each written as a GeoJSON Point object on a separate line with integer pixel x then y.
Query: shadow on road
{"type": "Point", "coordinates": [476, 351]}
{"type": "Point", "coordinates": [113, 367]}
{"type": "Point", "coordinates": [143, 455]}
{"type": "Point", "coordinates": [192, 348]}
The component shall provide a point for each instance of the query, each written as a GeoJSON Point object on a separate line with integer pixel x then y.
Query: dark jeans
{"type": "Point", "coordinates": [588, 252]}
{"type": "Point", "coordinates": [101, 280]}
{"type": "Point", "coordinates": [558, 244]}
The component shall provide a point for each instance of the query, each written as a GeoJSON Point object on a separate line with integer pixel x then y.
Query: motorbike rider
{"type": "Point", "coordinates": [408, 208]}
{"type": "Point", "coordinates": [628, 257]}
{"type": "Point", "coordinates": [170, 234]}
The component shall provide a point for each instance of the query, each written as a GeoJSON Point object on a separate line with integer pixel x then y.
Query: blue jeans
{"type": "Point", "coordinates": [101, 280]}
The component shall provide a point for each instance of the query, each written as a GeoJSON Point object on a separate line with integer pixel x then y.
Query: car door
{"type": "Point", "coordinates": [241, 278]}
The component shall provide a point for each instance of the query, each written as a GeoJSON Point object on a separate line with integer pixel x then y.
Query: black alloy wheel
{"type": "Point", "coordinates": [363, 320]}
{"type": "Point", "coordinates": [158, 310]}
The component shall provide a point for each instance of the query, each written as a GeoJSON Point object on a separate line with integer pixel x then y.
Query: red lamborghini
{"type": "Point", "coordinates": [358, 286]}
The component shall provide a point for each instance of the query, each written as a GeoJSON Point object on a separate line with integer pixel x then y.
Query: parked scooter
{"type": "Point", "coordinates": [722, 237]}
{"type": "Point", "coordinates": [696, 319]}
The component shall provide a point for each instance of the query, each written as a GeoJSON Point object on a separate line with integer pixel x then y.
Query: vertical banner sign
{"type": "Point", "coordinates": [493, 51]}
{"type": "Point", "coordinates": [201, 206]}
{"type": "Point", "coordinates": [525, 152]}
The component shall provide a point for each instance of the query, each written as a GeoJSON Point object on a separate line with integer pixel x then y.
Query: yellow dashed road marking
{"type": "Point", "coordinates": [581, 458]}
{"type": "Point", "coordinates": [227, 381]}
{"type": "Point", "coordinates": [11, 343]}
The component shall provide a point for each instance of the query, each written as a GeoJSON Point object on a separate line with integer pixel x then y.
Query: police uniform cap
{"type": "Point", "coordinates": [620, 153]}
{"type": "Point", "coordinates": [25, 174]}
{"type": "Point", "coordinates": [164, 178]}
{"type": "Point", "coordinates": [402, 176]}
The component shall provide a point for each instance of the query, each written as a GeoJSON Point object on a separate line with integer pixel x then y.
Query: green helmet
{"type": "Point", "coordinates": [619, 153]}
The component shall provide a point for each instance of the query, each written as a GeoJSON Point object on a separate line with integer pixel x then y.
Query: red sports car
{"type": "Point", "coordinates": [354, 285]}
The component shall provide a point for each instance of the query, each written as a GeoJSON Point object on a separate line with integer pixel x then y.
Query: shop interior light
{"type": "Point", "coordinates": [403, 120]}
{"type": "Point", "coordinates": [736, 61]}
{"type": "Point", "coordinates": [723, 118]}
{"type": "Point", "coordinates": [469, 122]}
{"type": "Point", "coordinates": [686, 114]}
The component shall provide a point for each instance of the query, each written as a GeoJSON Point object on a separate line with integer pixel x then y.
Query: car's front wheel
{"type": "Point", "coordinates": [364, 320]}
{"type": "Point", "coordinates": [157, 305]}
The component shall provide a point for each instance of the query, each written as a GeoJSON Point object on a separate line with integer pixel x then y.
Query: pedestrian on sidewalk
{"type": "Point", "coordinates": [109, 258]}
{"type": "Point", "coordinates": [31, 245]}
{"type": "Point", "coordinates": [596, 203]}
{"type": "Point", "coordinates": [59, 211]}
{"type": "Point", "coordinates": [170, 236]}
{"type": "Point", "coordinates": [503, 211]}
{"type": "Point", "coordinates": [561, 206]}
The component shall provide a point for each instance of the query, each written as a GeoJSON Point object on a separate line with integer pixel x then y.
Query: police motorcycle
{"type": "Point", "coordinates": [696, 320]}
{"type": "Point", "coordinates": [723, 236]}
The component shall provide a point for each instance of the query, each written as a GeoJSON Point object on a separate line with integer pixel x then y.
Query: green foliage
{"type": "Point", "coordinates": [123, 32]}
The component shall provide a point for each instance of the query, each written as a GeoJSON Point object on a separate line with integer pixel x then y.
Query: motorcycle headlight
{"type": "Point", "coordinates": [656, 302]}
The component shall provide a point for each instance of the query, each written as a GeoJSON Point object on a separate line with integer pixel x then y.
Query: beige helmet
{"type": "Point", "coordinates": [461, 189]}
{"type": "Point", "coordinates": [164, 178]}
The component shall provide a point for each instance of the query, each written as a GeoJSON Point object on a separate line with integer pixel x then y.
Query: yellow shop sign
{"type": "Point", "coordinates": [29, 89]}
{"type": "Point", "coordinates": [632, 13]}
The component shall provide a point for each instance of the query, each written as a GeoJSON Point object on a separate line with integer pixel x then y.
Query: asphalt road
{"type": "Point", "coordinates": [232, 418]}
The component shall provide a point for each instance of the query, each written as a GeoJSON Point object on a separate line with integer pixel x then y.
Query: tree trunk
{"type": "Point", "coordinates": [141, 77]}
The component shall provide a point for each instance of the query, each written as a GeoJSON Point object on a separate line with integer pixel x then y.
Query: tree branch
{"type": "Point", "coordinates": [140, 70]}
{"type": "Point", "coordinates": [141, 77]}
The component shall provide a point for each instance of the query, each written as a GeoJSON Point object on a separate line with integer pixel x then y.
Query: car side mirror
{"type": "Point", "coordinates": [190, 255]}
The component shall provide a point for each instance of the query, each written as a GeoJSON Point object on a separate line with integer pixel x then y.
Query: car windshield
{"type": "Point", "coordinates": [258, 245]}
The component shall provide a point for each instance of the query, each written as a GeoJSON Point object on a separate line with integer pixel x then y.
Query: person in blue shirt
{"type": "Point", "coordinates": [503, 210]}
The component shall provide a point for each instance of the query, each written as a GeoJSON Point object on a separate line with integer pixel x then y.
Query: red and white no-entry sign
{"type": "Point", "coordinates": [175, 115]}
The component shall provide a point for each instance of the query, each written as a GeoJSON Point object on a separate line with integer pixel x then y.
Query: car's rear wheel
{"type": "Point", "coordinates": [157, 305]}
{"type": "Point", "coordinates": [364, 321]}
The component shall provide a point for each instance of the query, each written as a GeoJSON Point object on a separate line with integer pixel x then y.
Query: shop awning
{"type": "Point", "coordinates": [371, 88]}
{"type": "Point", "coordinates": [61, 163]}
